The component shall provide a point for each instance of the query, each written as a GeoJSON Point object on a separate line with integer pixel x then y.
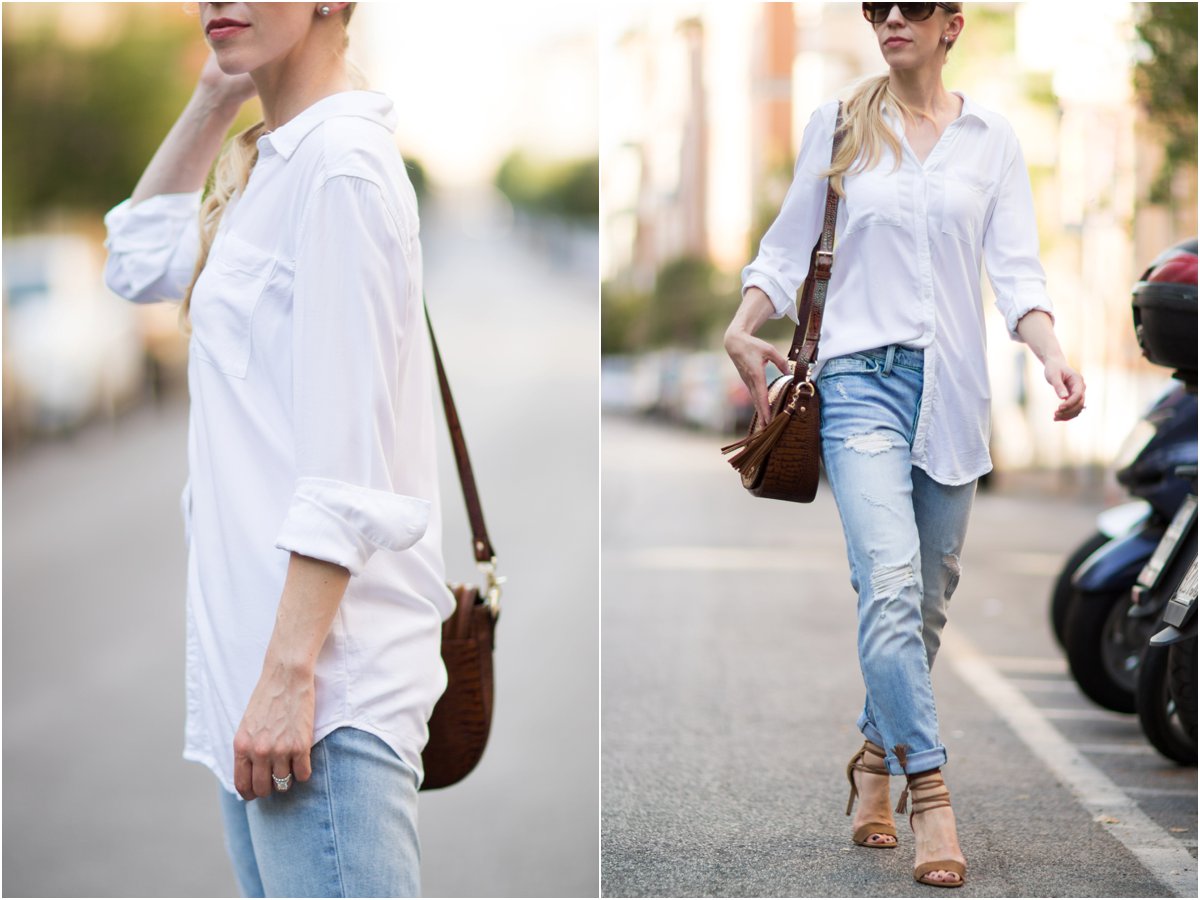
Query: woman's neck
{"type": "Point", "coordinates": [922, 90]}
{"type": "Point", "coordinates": [288, 86]}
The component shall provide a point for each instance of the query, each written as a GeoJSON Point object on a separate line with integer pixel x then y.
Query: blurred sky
{"type": "Point", "coordinates": [471, 80]}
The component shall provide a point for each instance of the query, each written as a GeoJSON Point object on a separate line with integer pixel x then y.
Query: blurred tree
{"type": "Point", "coordinates": [570, 190]}
{"type": "Point", "coordinates": [83, 118]}
{"type": "Point", "coordinates": [624, 324]}
{"type": "Point", "coordinates": [418, 177]}
{"type": "Point", "coordinates": [692, 303]}
{"type": "Point", "coordinates": [690, 306]}
{"type": "Point", "coordinates": [1166, 85]}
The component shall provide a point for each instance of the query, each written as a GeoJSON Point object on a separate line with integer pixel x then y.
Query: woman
{"type": "Point", "coordinates": [315, 577]}
{"type": "Point", "coordinates": [931, 185]}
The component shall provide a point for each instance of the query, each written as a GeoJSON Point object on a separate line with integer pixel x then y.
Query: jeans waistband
{"type": "Point", "coordinates": [895, 355]}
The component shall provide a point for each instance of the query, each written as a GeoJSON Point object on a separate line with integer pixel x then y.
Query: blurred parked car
{"type": "Point", "coordinates": [72, 349]}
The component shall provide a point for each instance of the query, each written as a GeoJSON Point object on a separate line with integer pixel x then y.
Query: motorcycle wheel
{"type": "Point", "coordinates": [1104, 648]}
{"type": "Point", "coordinates": [1181, 679]}
{"type": "Point", "coordinates": [1157, 710]}
{"type": "Point", "coordinates": [1063, 594]}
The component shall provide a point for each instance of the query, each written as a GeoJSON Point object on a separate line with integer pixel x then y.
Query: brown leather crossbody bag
{"type": "Point", "coordinates": [462, 718]}
{"type": "Point", "coordinates": [782, 460]}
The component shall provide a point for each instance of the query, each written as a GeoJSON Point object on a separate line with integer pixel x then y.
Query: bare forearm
{"type": "Point", "coordinates": [755, 309]}
{"type": "Point", "coordinates": [1036, 329]}
{"type": "Point", "coordinates": [312, 592]}
{"type": "Point", "coordinates": [183, 160]}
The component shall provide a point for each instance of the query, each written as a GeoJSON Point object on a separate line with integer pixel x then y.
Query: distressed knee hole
{"type": "Point", "coordinates": [953, 571]}
{"type": "Point", "coordinates": [874, 501]}
{"type": "Point", "coordinates": [870, 443]}
{"type": "Point", "coordinates": [888, 581]}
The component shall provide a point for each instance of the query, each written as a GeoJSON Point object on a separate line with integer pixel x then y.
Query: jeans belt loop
{"type": "Point", "coordinates": [891, 355]}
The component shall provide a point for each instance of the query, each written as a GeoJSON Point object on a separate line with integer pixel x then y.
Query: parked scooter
{"type": "Point", "coordinates": [1166, 687]}
{"type": "Point", "coordinates": [1164, 315]}
{"type": "Point", "coordinates": [1104, 632]}
{"type": "Point", "coordinates": [1163, 438]}
{"type": "Point", "coordinates": [1091, 600]}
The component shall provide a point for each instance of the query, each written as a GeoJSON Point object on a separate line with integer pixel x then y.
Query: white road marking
{"type": "Point", "coordinates": [1161, 792]}
{"type": "Point", "coordinates": [1163, 855]}
{"type": "Point", "coordinates": [1142, 749]}
{"type": "Point", "coordinates": [1044, 685]}
{"type": "Point", "coordinates": [1030, 664]}
{"type": "Point", "coordinates": [1086, 714]}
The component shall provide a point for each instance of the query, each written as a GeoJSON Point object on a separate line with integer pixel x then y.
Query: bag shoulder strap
{"type": "Point", "coordinates": [481, 544]}
{"type": "Point", "coordinates": [803, 352]}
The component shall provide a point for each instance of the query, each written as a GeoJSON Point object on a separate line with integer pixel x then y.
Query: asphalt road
{"type": "Point", "coordinates": [97, 801]}
{"type": "Point", "coordinates": [730, 686]}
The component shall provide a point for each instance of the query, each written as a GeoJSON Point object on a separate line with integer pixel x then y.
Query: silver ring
{"type": "Point", "coordinates": [282, 784]}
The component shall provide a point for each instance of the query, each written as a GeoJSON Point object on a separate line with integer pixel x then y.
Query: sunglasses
{"type": "Point", "coordinates": [877, 13]}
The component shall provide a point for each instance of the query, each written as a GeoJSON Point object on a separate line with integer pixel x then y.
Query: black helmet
{"type": "Point", "coordinates": [1164, 311]}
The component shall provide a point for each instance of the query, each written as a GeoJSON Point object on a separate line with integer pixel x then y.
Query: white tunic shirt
{"type": "Point", "coordinates": [312, 422]}
{"type": "Point", "coordinates": [906, 269]}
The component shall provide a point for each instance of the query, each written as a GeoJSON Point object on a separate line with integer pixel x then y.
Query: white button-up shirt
{"type": "Point", "coordinates": [906, 269]}
{"type": "Point", "coordinates": [312, 423]}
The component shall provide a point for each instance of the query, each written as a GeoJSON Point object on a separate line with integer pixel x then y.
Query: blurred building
{"type": "Point", "coordinates": [745, 78]}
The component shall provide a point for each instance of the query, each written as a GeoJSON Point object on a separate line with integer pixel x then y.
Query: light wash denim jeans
{"type": "Point", "coordinates": [349, 831]}
{"type": "Point", "coordinates": [904, 534]}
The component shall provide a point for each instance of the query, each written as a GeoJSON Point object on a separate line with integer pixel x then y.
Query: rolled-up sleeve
{"type": "Point", "coordinates": [781, 265]}
{"type": "Point", "coordinates": [349, 303]}
{"type": "Point", "coordinates": [152, 247]}
{"type": "Point", "coordinates": [1010, 247]}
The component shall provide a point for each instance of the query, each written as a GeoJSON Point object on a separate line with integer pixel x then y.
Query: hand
{"type": "Point", "coordinates": [224, 90]}
{"type": "Point", "coordinates": [275, 735]}
{"type": "Point", "coordinates": [1069, 386]}
{"type": "Point", "coordinates": [750, 356]}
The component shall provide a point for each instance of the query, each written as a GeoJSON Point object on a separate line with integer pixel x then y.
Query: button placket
{"type": "Point", "coordinates": [924, 254]}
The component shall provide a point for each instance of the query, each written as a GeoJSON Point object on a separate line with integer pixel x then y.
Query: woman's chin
{"type": "Point", "coordinates": [230, 65]}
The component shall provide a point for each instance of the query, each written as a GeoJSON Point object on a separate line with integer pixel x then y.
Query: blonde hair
{"type": "Point", "coordinates": [865, 131]}
{"type": "Point", "coordinates": [232, 169]}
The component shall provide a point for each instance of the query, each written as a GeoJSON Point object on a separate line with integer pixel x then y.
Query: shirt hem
{"type": "Point", "coordinates": [400, 746]}
{"type": "Point", "coordinates": [952, 480]}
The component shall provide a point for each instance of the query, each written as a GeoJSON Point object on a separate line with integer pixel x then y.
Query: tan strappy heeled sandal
{"type": "Point", "coordinates": [933, 795]}
{"type": "Point", "coordinates": [864, 831]}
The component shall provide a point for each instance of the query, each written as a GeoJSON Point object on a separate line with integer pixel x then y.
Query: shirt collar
{"type": "Point", "coordinates": [970, 110]}
{"type": "Point", "coordinates": [373, 105]}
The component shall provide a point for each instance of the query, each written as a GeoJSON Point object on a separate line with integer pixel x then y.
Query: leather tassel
{"type": "Point", "coordinates": [902, 757]}
{"type": "Point", "coordinates": [756, 447]}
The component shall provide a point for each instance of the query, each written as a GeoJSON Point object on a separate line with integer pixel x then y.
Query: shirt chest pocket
{"type": "Point", "coordinates": [225, 298]}
{"type": "Point", "coordinates": [872, 198]}
{"type": "Point", "coordinates": [964, 208]}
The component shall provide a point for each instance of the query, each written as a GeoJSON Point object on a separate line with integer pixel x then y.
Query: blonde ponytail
{"type": "Point", "coordinates": [866, 132]}
{"type": "Point", "coordinates": [232, 170]}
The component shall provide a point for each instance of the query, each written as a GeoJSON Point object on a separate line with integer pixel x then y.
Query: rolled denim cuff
{"type": "Point", "coordinates": [921, 761]}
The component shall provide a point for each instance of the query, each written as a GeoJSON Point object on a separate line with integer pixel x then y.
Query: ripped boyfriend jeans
{"type": "Point", "coordinates": [904, 535]}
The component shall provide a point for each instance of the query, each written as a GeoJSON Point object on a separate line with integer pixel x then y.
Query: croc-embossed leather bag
{"type": "Point", "coordinates": [781, 460]}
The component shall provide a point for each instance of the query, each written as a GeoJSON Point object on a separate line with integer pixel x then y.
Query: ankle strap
{"type": "Point", "coordinates": [931, 798]}
{"type": "Point", "coordinates": [869, 749]}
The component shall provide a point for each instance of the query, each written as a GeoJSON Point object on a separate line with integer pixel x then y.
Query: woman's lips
{"type": "Point", "coordinates": [224, 31]}
{"type": "Point", "coordinates": [896, 42]}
